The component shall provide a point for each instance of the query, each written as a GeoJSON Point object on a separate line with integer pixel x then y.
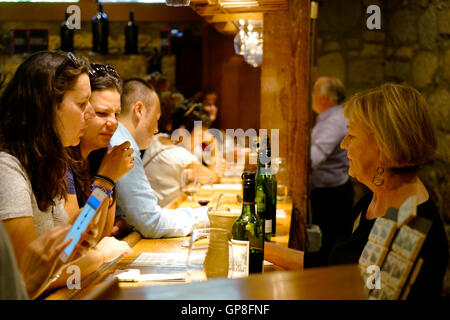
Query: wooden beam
{"type": "Point", "coordinates": [225, 27]}
{"type": "Point", "coordinates": [225, 17]}
{"type": "Point", "coordinates": [285, 76]}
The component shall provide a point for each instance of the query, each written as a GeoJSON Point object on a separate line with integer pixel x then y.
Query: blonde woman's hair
{"type": "Point", "coordinates": [400, 120]}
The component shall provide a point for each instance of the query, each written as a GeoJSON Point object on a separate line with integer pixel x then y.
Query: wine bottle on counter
{"type": "Point", "coordinates": [266, 190]}
{"type": "Point", "coordinates": [131, 35]}
{"type": "Point", "coordinates": [100, 31]}
{"type": "Point", "coordinates": [247, 242]}
{"type": "Point", "coordinates": [66, 35]}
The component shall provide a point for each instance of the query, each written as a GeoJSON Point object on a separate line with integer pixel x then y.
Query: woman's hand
{"type": "Point", "coordinates": [41, 259]}
{"type": "Point", "coordinates": [111, 248]}
{"type": "Point", "coordinates": [117, 161]}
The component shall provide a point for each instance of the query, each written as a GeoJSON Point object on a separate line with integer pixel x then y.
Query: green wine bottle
{"type": "Point", "coordinates": [266, 190]}
{"type": "Point", "coordinates": [247, 242]}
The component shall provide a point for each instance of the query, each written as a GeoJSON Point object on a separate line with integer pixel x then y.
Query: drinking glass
{"type": "Point", "coordinates": [209, 254]}
{"type": "Point", "coordinates": [279, 166]}
{"type": "Point", "coordinates": [204, 190]}
{"type": "Point", "coordinates": [188, 183]}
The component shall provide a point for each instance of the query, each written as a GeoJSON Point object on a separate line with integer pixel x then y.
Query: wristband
{"type": "Point", "coordinates": [106, 179]}
{"type": "Point", "coordinates": [108, 192]}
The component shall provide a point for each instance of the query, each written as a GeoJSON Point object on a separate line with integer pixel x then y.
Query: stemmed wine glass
{"type": "Point", "coordinates": [188, 183]}
{"type": "Point", "coordinates": [204, 190]}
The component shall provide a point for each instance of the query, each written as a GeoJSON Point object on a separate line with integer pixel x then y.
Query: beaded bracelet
{"type": "Point", "coordinates": [106, 179]}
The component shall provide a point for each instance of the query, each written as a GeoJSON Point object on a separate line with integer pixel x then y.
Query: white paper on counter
{"type": "Point", "coordinates": [228, 186]}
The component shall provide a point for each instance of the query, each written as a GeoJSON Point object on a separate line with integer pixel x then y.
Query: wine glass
{"type": "Point", "coordinates": [204, 190]}
{"type": "Point", "coordinates": [188, 183]}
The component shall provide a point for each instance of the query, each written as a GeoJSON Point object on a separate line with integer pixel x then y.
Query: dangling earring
{"type": "Point", "coordinates": [378, 178]}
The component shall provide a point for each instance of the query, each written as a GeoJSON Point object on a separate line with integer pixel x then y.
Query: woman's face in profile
{"type": "Point", "coordinates": [209, 104]}
{"type": "Point", "coordinates": [74, 111]}
{"type": "Point", "coordinates": [100, 129]}
{"type": "Point", "coordinates": [362, 152]}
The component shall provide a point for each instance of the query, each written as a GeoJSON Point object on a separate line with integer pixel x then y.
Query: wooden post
{"type": "Point", "coordinates": [285, 77]}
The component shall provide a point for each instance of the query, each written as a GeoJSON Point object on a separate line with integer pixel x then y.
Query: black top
{"type": "Point", "coordinates": [434, 252]}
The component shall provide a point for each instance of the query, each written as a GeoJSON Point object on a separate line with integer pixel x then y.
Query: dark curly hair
{"type": "Point", "coordinates": [187, 113]}
{"type": "Point", "coordinates": [28, 128]}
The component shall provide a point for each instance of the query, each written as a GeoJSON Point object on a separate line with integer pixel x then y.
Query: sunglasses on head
{"type": "Point", "coordinates": [71, 59]}
{"type": "Point", "coordinates": [100, 70]}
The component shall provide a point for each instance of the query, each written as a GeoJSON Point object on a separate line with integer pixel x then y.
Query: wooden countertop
{"type": "Point", "coordinates": [337, 282]}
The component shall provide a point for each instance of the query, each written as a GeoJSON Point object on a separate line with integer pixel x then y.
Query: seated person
{"type": "Point", "coordinates": [169, 100]}
{"type": "Point", "coordinates": [43, 109]}
{"type": "Point", "coordinates": [91, 159]}
{"type": "Point", "coordinates": [136, 200]}
{"type": "Point", "coordinates": [390, 134]}
{"type": "Point", "coordinates": [165, 161]}
{"type": "Point", "coordinates": [208, 99]}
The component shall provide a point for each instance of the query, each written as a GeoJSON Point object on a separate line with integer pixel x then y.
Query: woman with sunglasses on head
{"type": "Point", "coordinates": [91, 159]}
{"type": "Point", "coordinates": [43, 110]}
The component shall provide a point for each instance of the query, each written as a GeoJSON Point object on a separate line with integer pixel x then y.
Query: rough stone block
{"type": "Point", "coordinates": [332, 65]}
{"type": "Point", "coordinates": [372, 50]}
{"type": "Point", "coordinates": [366, 72]}
{"type": "Point", "coordinates": [403, 27]}
{"type": "Point", "coordinates": [404, 53]}
{"type": "Point", "coordinates": [424, 66]}
{"type": "Point", "coordinates": [427, 29]}
{"type": "Point", "coordinates": [443, 21]}
{"type": "Point", "coordinates": [439, 104]}
{"type": "Point", "coordinates": [374, 36]}
{"type": "Point", "coordinates": [331, 46]}
{"type": "Point", "coordinates": [353, 43]}
{"type": "Point", "coordinates": [446, 66]}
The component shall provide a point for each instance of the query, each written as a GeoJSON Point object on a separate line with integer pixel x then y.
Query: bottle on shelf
{"type": "Point", "coordinates": [66, 35]}
{"type": "Point", "coordinates": [266, 190]}
{"type": "Point", "coordinates": [100, 31]}
{"type": "Point", "coordinates": [131, 35]}
{"type": "Point", "coordinates": [247, 242]}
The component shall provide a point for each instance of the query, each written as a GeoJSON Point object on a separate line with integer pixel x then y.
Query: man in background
{"type": "Point", "coordinates": [331, 188]}
{"type": "Point", "coordinates": [137, 203]}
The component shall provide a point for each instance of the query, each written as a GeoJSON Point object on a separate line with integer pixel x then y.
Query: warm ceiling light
{"type": "Point", "coordinates": [230, 4]}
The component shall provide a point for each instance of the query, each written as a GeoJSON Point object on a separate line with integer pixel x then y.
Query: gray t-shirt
{"type": "Point", "coordinates": [17, 198]}
{"type": "Point", "coordinates": [11, 284]}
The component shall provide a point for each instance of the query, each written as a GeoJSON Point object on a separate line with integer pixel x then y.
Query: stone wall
{"type": "Point", "coordinates": [413, 48]}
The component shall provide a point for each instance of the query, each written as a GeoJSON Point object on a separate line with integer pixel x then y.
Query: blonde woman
{"type": "Point", "coordinates": [390, 134]}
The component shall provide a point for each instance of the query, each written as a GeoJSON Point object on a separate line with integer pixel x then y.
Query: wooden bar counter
{"type": "Point", "coordinates": [338, 282]}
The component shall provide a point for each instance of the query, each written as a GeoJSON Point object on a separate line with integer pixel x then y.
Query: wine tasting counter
{"type": "Point", "coordinates": [275, 283]}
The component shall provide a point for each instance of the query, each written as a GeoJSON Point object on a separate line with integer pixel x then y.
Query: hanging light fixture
{"type": "Point", "coordinates": [178, 3]}
{"type": "Point", "coordinates": [248, 42]}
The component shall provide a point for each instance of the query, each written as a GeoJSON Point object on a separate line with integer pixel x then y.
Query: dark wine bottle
{"type": "Point", "coordinates": [100, 31]}
{"type": "Point", "coordinates": [266, 190]}
{"type": "Point", "coordinates": [131, 35]}
{"type": "Point", "coordinates": [247, 235]}
{"type": "Point", "coordinates": [66, 36]}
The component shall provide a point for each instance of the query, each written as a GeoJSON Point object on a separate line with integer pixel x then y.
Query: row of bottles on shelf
{"type": "Point", "coordinates": [100, 33]}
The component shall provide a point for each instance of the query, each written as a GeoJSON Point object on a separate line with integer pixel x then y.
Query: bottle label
{"type": "Point", "coordinates": [268, 226]}
{"type": "Point", "coordinates": [239, 259]}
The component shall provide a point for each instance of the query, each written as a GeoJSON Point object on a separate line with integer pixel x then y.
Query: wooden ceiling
{"type": "Point", "coordinates": [225, 14]}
